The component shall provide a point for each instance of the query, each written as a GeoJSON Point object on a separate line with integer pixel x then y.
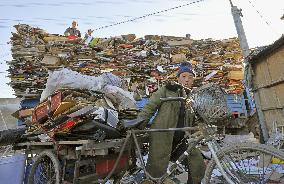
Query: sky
{"type": "Point", "coordinates": [206, 19]}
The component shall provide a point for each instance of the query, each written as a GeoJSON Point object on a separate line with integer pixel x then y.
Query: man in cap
{"type": "Point", "coordinates": [163, 146]}
{"type": "Point", "coordinates": [72, 31]}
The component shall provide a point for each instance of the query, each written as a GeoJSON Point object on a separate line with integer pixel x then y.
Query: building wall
{"type": "Point", "coordinates": [7, 107]}
{"type": "Point", "coordinates": [268, 83]}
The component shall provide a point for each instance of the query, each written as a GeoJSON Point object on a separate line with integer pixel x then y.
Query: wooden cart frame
{"type": "Point", "coordinates": [86, 154]}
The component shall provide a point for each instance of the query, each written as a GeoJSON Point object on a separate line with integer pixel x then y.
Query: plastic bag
{"type": "Point", "coordinates": [121, 99]}
{"type": "Point", "coordinates": [71, 79]}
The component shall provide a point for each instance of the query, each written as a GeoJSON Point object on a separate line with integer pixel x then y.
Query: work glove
{"type": "Point", "coordinates": [173, 86]}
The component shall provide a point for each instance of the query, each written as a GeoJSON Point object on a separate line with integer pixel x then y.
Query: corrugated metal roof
{"type": "Point", "coordinates": [267, 50]}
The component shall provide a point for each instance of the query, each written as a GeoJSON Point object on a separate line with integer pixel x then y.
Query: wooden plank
{"type": "Point", "coordinates": [274, 83]}
{"type": "Point", "coordinates": [276, 65]}
{"type": "Point", "coordinates": [35, 144]}
{"type": "Point", "coordinates": [272, 97]}
{"type": "Point", "coordinates": [79, 142]}
{"type": "Point", "coordinates": [262, 76]}
{"type": "Point", "coordinates": [279, 90]}
{"type": "Point", "coordinates": [88, 144]}
{"type": "Point", "coordinates": [274, 116]}
{"type": "Point", "coordinates": [180, 42]}
{"type": "Point", "coordinates": [262, 122]}
{"type": "Point", "coordinates": [268, 98]}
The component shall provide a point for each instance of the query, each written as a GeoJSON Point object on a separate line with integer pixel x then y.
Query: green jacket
{"type": "Point", "coordinates": [72, 31]}
{"type": "Point", "coordinates": [167, 112]}
{"type": "Point", "coordinates": [160, 149]}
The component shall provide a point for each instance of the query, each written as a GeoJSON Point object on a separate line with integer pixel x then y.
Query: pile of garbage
{"type": "Point", "coordinates": [74, 114]}
{"type": "Point", "coordinates": [144, 63]}
{"type": "Point", "coordinates": [77, 107]}
{"type": "Point", "coordinates": [85, 90]}
{"type": "Point", "coordinates": [98, 82]}
{"type": "Point", "coordinates": [87, 107]}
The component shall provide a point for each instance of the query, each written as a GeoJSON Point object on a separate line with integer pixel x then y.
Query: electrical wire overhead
{"type": "Point", "coordinates": [150, 14]}
{"type": "Point", "coordinates": [261, 16]}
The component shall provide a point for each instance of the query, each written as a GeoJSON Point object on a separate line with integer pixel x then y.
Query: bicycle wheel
{"type": "Point", "coordinates": [45, 170]}
{"type": "Point", "coordinates": [248, 163]}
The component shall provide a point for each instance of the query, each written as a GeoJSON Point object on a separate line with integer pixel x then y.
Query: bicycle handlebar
{"type": "Point", "coordinates": [168, 99]}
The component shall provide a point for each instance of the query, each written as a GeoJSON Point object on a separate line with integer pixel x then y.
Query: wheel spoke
{"type": "Point", "coordinates": [45, 170]}
{"type": "Point", "coordinates": [250, 164]}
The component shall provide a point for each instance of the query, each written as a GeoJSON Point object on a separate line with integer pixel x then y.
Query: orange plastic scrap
{"type": "Point", "coordinates": [234, 83]}
{"type": "Point", "coordinates": [126, 46]}
{"type": "Point", "coordinates": [235, 91]}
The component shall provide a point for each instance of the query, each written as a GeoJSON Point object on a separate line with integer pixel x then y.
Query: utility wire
{"type": "Point", "coordinates": [150, 14]}
{"type": "Point", "coordinates": [262, 17]}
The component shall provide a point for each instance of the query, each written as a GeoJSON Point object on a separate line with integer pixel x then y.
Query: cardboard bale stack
{"type": "Point", "coordinates": [144, 63]}
{"type": "Point", "coordinates": [219, 61]}
{"type": "Point", "coordinates": [34, 52]}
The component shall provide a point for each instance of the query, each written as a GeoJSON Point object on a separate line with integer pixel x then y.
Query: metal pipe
{"type": "Point", "coordinates": [139, 153]}
{"type": "Point", "coordinates": [167, 130]}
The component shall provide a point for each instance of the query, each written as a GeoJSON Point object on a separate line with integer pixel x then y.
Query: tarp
{"type": "Point", "coordinates": [12, 169]}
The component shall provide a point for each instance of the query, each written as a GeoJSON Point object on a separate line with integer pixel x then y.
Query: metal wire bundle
{"type": "Point", "coordinates": [209, 102]}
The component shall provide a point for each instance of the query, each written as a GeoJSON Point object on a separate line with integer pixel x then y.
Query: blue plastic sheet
{"type": "Point", "coordinates": [12, 169]}
{"type": "Point", "coordinates": [141, 103]}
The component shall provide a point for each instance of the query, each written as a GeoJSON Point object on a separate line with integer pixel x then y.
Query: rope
{"type": "Point", "coordinates": [150, 14]}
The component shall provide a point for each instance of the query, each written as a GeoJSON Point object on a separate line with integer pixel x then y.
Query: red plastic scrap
{"type": "Point", "coordinates": [105, 166]}
{"type": "Point", "coordinates": [42, 110]}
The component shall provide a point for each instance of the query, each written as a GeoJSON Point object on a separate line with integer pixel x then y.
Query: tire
{"type": "Point", "coordinates": [262, 156]}
{"type": "Point", "coordinates": [45, 169]}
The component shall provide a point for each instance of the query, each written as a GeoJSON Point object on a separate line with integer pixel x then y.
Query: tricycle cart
{"type": "Point", "coordinates": [82, 161]}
